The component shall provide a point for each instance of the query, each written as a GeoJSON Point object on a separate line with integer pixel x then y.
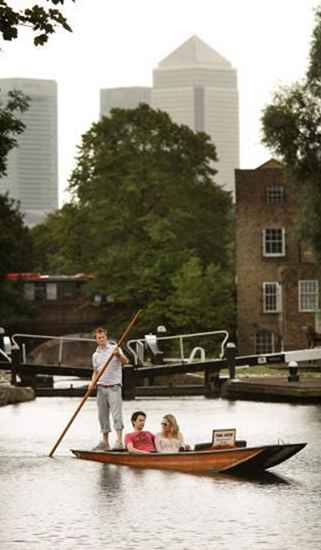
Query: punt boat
{"type": "Point", "coordinates": [236, 459]}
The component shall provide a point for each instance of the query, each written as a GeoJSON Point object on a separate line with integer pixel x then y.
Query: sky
{"type": "Point", "coordinates": [119, 43]}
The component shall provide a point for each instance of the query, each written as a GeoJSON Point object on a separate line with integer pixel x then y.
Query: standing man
{"type": "Point", "coordinates": [139, 441]}
{"type": "Point", "coordinates": [109, 388]}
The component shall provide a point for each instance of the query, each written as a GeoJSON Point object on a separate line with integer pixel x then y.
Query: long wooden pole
{"type": "Point", "coordinates": [100, 373]}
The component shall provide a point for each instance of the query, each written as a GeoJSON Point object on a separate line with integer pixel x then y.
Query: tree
{"type": "Point", "coordinates": [15, 254]}
{"type": "Point", "coordinates": [15, 242]}
{"type": "Point", "coordinates": [292, 128]}
{"type": "Point", "coordinates": [56, 241]}
{"type": "Point", "coordinates": [10, 124]}
{"type": "Point", "coordinates": [42, 21]}
{"type": "Point", "coordinates": [198, 289]}
{"type": "Point", "coordinates": [144, 203]}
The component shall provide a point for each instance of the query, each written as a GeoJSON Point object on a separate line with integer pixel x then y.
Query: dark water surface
{"type": "Point", "coordinates": [68, 504]}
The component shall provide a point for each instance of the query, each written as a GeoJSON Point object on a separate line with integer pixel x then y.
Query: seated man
{"type": "Point", "coordinates": [139, 441]}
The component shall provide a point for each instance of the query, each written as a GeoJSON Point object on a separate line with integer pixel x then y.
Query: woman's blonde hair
{"type": "Point", "coordinates": [174, 425]}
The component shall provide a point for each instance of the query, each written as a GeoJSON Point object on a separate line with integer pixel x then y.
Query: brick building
{"type": "Point", "coordinates": [277, 274]}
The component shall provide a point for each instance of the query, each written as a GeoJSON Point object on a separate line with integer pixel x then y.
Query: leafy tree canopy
{"type": "Point", "coordinates": [201, 298]}
{"type": "Point", "coordinates": [42, 20]}
{"type": "Point", "coordinates": [15, 254]}
{"type": "Point", "coordinates": [144, 204]}
{"type": "Point", "coordinates": [10, 123]}
{"type": "Point", "coordinates": [292, 128]}
{"type": "Point", "coordinates": [56, 241]}
{"type": "Point", "coordinates": [15, 238]}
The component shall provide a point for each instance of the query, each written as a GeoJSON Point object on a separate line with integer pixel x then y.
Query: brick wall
{"type": "Point", "coordinates": [253, 215]}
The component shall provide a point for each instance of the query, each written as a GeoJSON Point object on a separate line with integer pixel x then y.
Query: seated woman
{"type": "Point", "coordinates": [170, 440]}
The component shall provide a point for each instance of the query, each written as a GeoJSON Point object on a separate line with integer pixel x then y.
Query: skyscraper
{"type": "Point", "coordinates": [124, 98]}
{"type": "Point", "coordinates": [197, 86]}
{"type": "Point", "coordinates": [32, 166]}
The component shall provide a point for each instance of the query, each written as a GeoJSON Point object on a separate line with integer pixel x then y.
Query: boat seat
{"type": "Point", "coordinates": [209, 446]}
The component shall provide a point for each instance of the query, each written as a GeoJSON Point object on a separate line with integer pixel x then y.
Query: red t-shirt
{"type": "Point", "coordinates": [143, 441]}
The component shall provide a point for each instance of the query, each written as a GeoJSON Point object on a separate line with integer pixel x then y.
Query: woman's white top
{"type": "Point", "coordinates": [168, 444]}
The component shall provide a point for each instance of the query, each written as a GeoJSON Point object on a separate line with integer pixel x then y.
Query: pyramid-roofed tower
{"type": "Point", "coordinates": [194, 52]}
{"type": "Point", "coordinates": [197, 86]}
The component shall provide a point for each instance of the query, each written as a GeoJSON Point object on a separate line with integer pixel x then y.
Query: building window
{"type": "Point", "coordinates": [29, 291]}
{"type": "Point", "coordinates": [51, 291]}
{"type": "Point", "coordinates": [272, 300]}
{"type": "Point", "coordinates": [264, 342]}
{"type": "Point", "coordinates": [40, 292]}
{"type": "Point", "coordinates": [274, 242]}
{"type": "Point", "coordinates": [68, 289]}
{"type": "Point", "coordinates": [308, 295]}
{"type": "Point", "coordinates": [275, 194]}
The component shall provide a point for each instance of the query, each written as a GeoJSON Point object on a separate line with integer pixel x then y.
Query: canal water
{"type": "Point", "coordinates": [64, 503]}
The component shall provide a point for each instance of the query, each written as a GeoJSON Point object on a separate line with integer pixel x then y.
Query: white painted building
{"type": "Point", "coordinates": [123, 98]}
{"type": "Point", "coordinates": [198, 87]}
{"type": "Point", "coordinates": [32, 174]}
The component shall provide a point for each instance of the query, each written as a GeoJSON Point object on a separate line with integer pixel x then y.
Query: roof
{"type": "Point", "coordinates": [31, 277]}
{"type": "Point", "coordinates": [272, 163]}
{"type": "Point", "coordinates": [194, 52]}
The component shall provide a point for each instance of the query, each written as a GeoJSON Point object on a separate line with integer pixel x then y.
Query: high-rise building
{"type": "Point", "coordinates": [123, 98]}
{"type": "Point", "coordinates": [32, 165]}
{"type": "Point", "coordinates": [197, 86]}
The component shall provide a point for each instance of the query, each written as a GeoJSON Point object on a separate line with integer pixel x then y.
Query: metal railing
{"type": "Point", "coordinates": [137, 347]}
{"type": "Point", "coordinates": [60, 339]}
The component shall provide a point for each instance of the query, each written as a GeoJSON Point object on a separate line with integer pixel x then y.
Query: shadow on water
{"type": "Point", "coordinates": [265, 478]}
{"type": "Point", "coordinates": [259, 478]}
{"type": "Point", "coordinates": [112, 476]}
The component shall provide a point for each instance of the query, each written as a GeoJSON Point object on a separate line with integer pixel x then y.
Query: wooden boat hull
{"type": "Point", "coordinates": [234, 460]}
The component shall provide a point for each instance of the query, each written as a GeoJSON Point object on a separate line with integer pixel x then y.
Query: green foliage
{"type": "Point", "coordinates": [203, 294]}
{"type": "Point", "coordinates": [292, 129]}
{"type": "Point", "coordinates": [57, 241]}
{"type": "Point", "coordinates": [201, 300]}
{"type": "Point", "coordinates": [10, 125]}
{"type": "Point", "coordinates": [144, 203]}
{"type": "Point", "coordinates": [314, 70]}
{"type": "Point", "coordinates": [16, 256]}
{"type": "Point", "coordinates": [42, 21]}
{"type": "Point", "coordinates": [12, 304]}
{"type": "Point", "coordinates": [15, 238]}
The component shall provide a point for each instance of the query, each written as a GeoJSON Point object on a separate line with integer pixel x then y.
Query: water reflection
{"type": "Point", "coordinates": [263, 478]}
{"type": "Point", "coordinates": [111, 478]}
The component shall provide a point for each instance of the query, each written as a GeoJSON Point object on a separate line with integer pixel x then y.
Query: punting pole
{"type": "Point", "coordinates": [88, 392]}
